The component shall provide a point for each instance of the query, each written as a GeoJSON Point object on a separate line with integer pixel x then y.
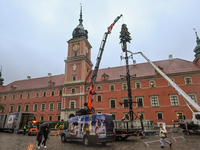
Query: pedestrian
{"type": "Point", "coordinates": [45, 133]}
{"type": "Point", "coordinates": [59, 128]}
{"type": "Point", "coordinates": [25, 127]}
{"type": "Point", "coordinates": [163, 135]}
{"type": "Point", "coordinates": [39, 137]}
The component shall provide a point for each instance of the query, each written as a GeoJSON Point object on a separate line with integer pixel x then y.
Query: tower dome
{"type": "Point", "coordinates": [197, 48]}
{"type": "Point", "coordinates": [79, 31]}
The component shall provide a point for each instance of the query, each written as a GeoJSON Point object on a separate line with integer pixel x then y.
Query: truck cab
{"type": "Point", "coordinates": [92, 128]}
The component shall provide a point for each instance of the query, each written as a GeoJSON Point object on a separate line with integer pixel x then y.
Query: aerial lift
{"type": "Point", "coordinates": [193, 124]}
{"type": "Point", "coordinates": [91, 92]}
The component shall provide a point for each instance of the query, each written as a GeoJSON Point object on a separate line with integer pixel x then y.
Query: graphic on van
{"type": "Point", "coordinates": [12, 119]}
{"type": "Point", "coordinates": [91, 125]}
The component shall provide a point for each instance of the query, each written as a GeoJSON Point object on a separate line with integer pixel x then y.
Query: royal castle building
{"type": "Point", "coordinates": [57, 97]}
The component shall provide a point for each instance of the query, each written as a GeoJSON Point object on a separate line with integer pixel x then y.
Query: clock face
{"type": "Point", "coordinates": [76, 47]}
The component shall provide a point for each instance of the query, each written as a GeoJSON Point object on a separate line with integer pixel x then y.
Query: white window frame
{"type": "Point", "coordinates": [25, 107]}
{"type": "Point", "coordinates": [113, 87]}
{"type": "Point", "coordinates": [124, 85]}
{"type": "Point", "coordinates": [193, 94]}
{"type": "Point", "coordinates": [152, 102]}
{"type": "Point", "coordinates": [12, 105]}
{"type": "Point", "coordinates": [73, 88]}
{"type": "Point", "coordinates": [13, 96]}
{"type": "Point", "coordinates": [127, 102]}
{"type": "Point", "coordinates": [4, 97]}
{"type": "Point", "coordinates": [44, 106]}
{"type": "Point", "coordinates": [159, 112]}
{"type": "Point", "coordinates": [74, 76]}
{"type": "Point", "coordinates": [142, 101]}
{"type": "Point", "coordinates": [44, 95]}
{"type": "Point", "coordinates": [185, 78]}
{"type": "Point", "coordinates": [98, 87]}
{"type": "Point", "coordinates": [41, 117]}
{"type": "Point", "coordinates": [51, 118]}
{"type": "Point", "coordinates": [50, 106]}
{"type": "Point", "coordinates": [58, 105]}
{"type": "Point", "coordinates": [99, 111]}
{"type": "Point", "coordinates": [139, 113]}
{"type": "Point", "coordinates": [53, 91]}
{"type": "Point", "coordinates": [74, 104]}
{"type": "Point", "coordinates": [34, 106]}
{"type": "Point", "coordinates": [136, 85]}
{"type": "Point", "coordinates": [98, 96]}
{"type": "Point", "coordinates": [171, 100]}
{"type": "Point", "coordinates": [115, 103]}
{"type": "Point", "coordinates": [154, 83]}
{"type": "Point", "coordinates": [20, 107]}
{"type": "Point", "coordinates": [28, 95]}
{"type": "Point", "coordinates": [177, 112]}
{"type": "Point", "coordinates": [37, 93]}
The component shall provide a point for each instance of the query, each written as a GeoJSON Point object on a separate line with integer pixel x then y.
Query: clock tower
{"type": "Point", "coordinates": [78, 66]}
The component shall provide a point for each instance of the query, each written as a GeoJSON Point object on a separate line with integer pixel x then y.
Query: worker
{"type": "Point", "coordinates": [63, 125]}
{"type": "Point", "coordinates": [56, 126]}
{"type": "Point", "coordinates": [25, 127]}
{"type": "Point", "coordinates": [59, 128]}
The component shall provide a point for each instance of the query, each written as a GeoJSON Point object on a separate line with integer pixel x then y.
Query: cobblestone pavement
{"type": "Point", "coordinates": [21, 142]}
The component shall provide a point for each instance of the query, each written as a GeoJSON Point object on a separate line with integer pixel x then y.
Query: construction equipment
{"type": "Point", "coordinates": [91, 93]}
{"type": "Point", "coordinates": [193, 124]}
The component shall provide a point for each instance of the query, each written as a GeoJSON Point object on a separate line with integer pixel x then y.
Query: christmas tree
{"type": "Point", "coordinates": [124, 34]}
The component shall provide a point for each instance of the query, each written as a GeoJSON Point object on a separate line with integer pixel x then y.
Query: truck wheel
{"type": "Point", "coordinates": [86, 141]}
{"type": "Point", "coordinates": [104, 143]}
{"type": "Point", "coordinates": [124, 138]}
{"type": "Point", "coordinates": [63, 138]}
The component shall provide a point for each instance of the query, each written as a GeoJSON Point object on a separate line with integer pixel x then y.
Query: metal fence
{"type": "Point", "coordinates": [176, 133]}
{"type": "Point", "coordinates": [151, 136]}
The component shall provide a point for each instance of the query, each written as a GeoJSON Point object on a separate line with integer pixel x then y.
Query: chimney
{"type": "Point", "coordinates": [170, 57]}
{"type": "Point", "coordinates": [134, 62]}
{"type": "Point", "coordinates": [49, 74]}
{"type": "Point", "coordinates": [28, 77]}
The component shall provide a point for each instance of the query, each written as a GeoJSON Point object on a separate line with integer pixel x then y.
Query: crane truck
{"type": "Point", "coordinates": [91, 92]}
{"type": "Point", "coordinates": [194, 123]}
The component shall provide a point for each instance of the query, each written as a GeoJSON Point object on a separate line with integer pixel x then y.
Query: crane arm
{"type": "Point", "coordinates": [91, 92]}
{"type": "Point", "coordinates": [175, 86]}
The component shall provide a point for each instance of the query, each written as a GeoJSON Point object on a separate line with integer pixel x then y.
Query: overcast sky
{"type": "Point", "coordinates": [33, 33]}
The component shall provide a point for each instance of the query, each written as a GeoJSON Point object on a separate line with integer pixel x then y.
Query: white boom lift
{"type": "Point", "coordinates": [195, 122]}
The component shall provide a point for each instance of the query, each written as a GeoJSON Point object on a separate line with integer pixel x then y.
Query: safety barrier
{"type": "Point", "coordinates": [151, 136]}
{"type": "Point", "coordinates": [54, 132]}
{"type": "Point", "coordinates": [176, 133]}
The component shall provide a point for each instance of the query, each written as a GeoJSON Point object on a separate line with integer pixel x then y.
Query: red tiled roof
{"type": "Point", "coordinates": [34, 83]}
{"type": "Point", "coordinates": [145, 69]}
{"type": "Point", "coordinates": [141, 70]}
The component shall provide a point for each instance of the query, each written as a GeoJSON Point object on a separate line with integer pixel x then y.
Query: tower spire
{"type": "Point", "coordinates": [81, 20]}
{"type": "Point", "coordinates": [1, 79]}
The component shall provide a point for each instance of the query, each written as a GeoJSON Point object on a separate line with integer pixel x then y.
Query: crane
{"type": "Point", "coordinates": [195, 123]}
{"type": "Point", "coordinates": [91, 92]}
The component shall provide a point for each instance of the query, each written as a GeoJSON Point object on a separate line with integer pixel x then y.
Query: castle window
{"type": "Point", "coordinates": [19, 108]}
{"type": "Point", "coordinates": [37, 94]}
{"type": "Point", "coordinates": [13, 96]}
{"type": "Point", "coordinates": [28, 95]}
{"type": "Point", "coordinates": [74, 78]}
{"type": "Point", "coordinates": [188, 80]}
{"type": "Point", "coordinates": [44, 94]}
{"type": "Point", "coordinates": [52, 93]}
{"type": "Point", "coordinates": [152, 83]}
{"type": "Point", "coordinates": [75, 53]}
{"type": "Point", "coordinates": [73, 90]}
{"type": "Point", "coordinates": [112, 87]}
{"type": "Point", "coordinates": [20, 95]}
{"type": "Point", "coordinates": [137, 85]}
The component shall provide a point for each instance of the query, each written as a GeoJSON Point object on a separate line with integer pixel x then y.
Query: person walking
{"type": "Point", "coordinates": [45, 133]}
{"type": "Point", "coordinates": [25, 127]}
{"type": "Point", "coordinates": [39, 137]}
{"type": "Point", "coordinates": [163, 135]}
